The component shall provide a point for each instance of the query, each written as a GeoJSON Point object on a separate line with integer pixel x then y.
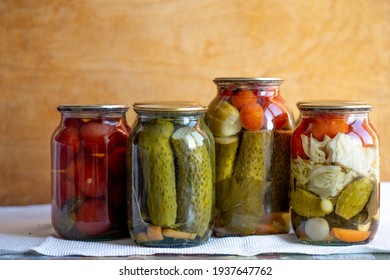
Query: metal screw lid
{"type": "Point", "coordinates": [92, 108]}
{"type": "Point", "coordinates": [251, 80]}
{"type": "Point", "coordinates": [334, 105]}
{"type": "Point", "coordinates": [177, 107]}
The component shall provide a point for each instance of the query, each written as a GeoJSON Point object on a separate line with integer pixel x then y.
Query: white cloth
{"type": "Point", "coordinates": [28, 229]}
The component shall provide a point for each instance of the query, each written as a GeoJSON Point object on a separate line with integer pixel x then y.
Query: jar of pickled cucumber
{"type": "Point", "coordinates": [252, 127]}
{"type": "Point", "coordinates": [171, 178]}
{"type": "Point", "coordinates": [335, 174]}
{"type": "Point", "coordinates": [88, 172]}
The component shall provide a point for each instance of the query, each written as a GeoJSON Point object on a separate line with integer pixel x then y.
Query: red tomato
{"type": "Point", "coordinates": [116, 162]}
{"type": "Point", "coordinates": [296, 140]}
{"type": "Point", "coordinates": [72, 170]}
{"type": "Point", "coordinates": [242, 98]}
{"type": "Point", "coordinates": [328, 125]}
{"type": "Point", "coordinates": [65, 145]}
{"type": "Point", "coordinates": [72, 122]}
{"type": "Point", "coordinates": [69, 134]}
{"type": "Point", "coordinates": [97, 138]}
{"type": "Point", "coordinates": [63, 189]}
{"type": "Point", "coordinates": [252, 116]}
{"type": "Point", "coordinates": [276, 113]}
{"type": "Point", "coordinates": [92, 217]}
{"type": "Point", "coordinates": [89, 174]}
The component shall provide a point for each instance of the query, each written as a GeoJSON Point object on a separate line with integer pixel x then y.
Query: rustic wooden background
{"type": "Point", "coordinates": [103, 51]}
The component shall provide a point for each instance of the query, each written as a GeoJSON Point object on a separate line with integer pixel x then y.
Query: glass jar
{"type": "Point", "coordinates": [171, 177]}
{"type": "Point", "coordinates": [88, 172]}
{"type": "Point", "coordinates": [252, 127]}
{"type": "Point", "coordinates": [335, 174]}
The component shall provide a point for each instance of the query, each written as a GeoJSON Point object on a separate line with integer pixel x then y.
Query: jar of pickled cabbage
{"type": "Point", "coordinates": [335, 174]}
{"type": "Point", "coordinates": [88, 172]}
{"type": "Point", "coordinates": [252, 127]}
{"type": "Point", "coordinates": [171, 185]}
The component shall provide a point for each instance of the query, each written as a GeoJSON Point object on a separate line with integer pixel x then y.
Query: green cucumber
{"type": "Point", "coordinates": [254, 155]}
{"type": "Point", "coordinates": [307, 204]}
{"type": "Point", "coordinates": [225, 154]}
{"type": "Point", "coordinates": [195, 193]}
{"type": "Point", "coordinates": [280, 171]}
{"type": "Point", "coordinates": [354, 197]}
{"type": "Point", "coordinates": [223, 119]}
{"type": "Point", "coordinates": [158, 169]}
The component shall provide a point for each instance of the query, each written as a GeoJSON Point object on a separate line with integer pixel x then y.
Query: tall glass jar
{"type": "Point", "coordinates": [335, 174]}
{"type": "Point", "coordinates": [171, 175]}
{"type": "Point", "coordinates": [252, 127]}
{"type": "Point", "coordinates": [88, 172]}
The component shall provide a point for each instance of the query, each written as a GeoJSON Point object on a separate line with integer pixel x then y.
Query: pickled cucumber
{"type": "Point", "coordinates": [210, 146]}
{"type": "Point", "coordinates": [240, 205]}
{"type": "Point", "coordinates": [195, 191]}
{"type": "Point", "coordinates": [225, 153]}
{"type": "Point", "coordinates": [280, 171]}
{"type": "Point", "coordinates": [354, 197]}
{"type": "Point", "coordinates": [223, 118]}
{"type": "Point", "coordinates": [157, 160]}
{"type": "Point", "coordinates": [254, 155]}
{"type": "Point", "coordinates": [372, 205]}
{"type": "Point", "coordinates": [307, 204]}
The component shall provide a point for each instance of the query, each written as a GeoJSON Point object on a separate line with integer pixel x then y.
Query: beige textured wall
{"type": "Point", "coordinates": [102, 51]}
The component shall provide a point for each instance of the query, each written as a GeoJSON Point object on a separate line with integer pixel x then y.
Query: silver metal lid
{"type": "Point", "coordinates": [334, 105]}
{"type": "Point", "coordinates": [176, 107]}
{"type": "Point", "coordinates": [251, 80]}
{"type": "Point", "coordinates": [92, 108]}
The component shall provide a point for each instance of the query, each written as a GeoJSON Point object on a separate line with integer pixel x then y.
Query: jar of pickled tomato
{"type": "Point", "coordinates": [334, 194]}
{"type": "Point", "coordinates": [252, 127]}
{"type": "Point", "coordinates": [88, 172]}
{"type": "Point", "coordinates": [171, 175]}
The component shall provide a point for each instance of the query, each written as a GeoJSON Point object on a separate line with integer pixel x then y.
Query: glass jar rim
{"type": "Point", "coordinates": [175, 107]}
{"type": "Point", "coordinates": [250, 80]}
{"type": "Point", "coordinates": [334, 105]}
{"type": "Point", "coordinates": [92, 108]}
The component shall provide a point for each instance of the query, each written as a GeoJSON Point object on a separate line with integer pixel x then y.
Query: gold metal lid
{"type": "Point", "coordinates": [334, 105]}
{"type": "Point", "coordinates": [175, 107]}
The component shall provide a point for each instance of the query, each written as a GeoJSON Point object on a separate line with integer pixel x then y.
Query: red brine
{"type": "Point", "coordinates": [88, 171]}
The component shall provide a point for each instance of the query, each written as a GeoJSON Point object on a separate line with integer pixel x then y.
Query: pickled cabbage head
{"type": "Point", "coordinates": [328, 180]}
{"type": "Point", "coordinates": [315, 149]}
{"type": "Point", "coordinates": [344, 151]}
{"type": "Point", "coordinates": [300, 169]}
